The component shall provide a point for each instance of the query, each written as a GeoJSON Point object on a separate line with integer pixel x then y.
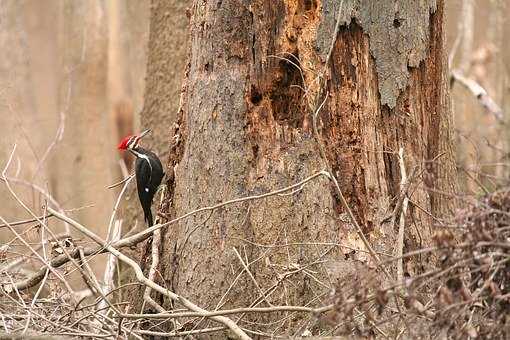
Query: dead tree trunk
{"type": "Point", "coordinates": [257, 71]}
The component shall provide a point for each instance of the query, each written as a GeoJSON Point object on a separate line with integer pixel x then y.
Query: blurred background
{"type": "Point", "coordinates": [72, 84]}
{"type": "Point", "coordinates": [477, 42]}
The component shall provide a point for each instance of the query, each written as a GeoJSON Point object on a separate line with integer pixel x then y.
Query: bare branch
{"type": "Point", "coordinates": [141, 277]}
{"type": "Point", "coordinates": [400, 238]}
{"type": "Point", "coordinates": [12, 224]}
{"type": "Point", "coordinates": [480, 94]}
{"type": "Point", "coordinates": [274, 309]}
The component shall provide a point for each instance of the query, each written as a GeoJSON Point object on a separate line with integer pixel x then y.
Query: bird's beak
{"type": "Point", "coordinates": [144, 133]}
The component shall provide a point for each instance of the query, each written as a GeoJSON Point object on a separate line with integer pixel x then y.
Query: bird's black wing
{"type": "Point", "coordinates": [145, 194]}
{"type": "Point", "coordinates": [149, 173]}
{"type": "Point", "coordinates": [157, 171]}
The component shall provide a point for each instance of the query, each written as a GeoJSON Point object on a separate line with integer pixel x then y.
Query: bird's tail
{"type": "Point", "coordinates": [148, 217]}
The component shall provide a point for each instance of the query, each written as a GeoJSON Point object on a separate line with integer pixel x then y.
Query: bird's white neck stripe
{"type": "Point", "coordinates": [143, 156]}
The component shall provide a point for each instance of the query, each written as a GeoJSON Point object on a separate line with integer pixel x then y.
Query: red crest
{"type": "Point", "coordinates": [124, 143]}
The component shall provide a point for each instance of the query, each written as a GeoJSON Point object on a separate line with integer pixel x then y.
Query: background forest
{"type": "Point", "coordinates": [73, 83]}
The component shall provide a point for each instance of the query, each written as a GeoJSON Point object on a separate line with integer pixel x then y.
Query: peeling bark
{"type": "Point", "coordinates": [245, 129]}
{"type": "Point", "coordinates": [398, 35]}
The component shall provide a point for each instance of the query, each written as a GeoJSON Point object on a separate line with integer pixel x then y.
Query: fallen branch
{"type": "Point", "coordinates": [315, 311]}
{"type": "Point", "coordinates": [142, 279]}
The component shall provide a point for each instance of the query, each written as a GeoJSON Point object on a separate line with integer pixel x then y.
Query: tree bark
{"type": "Point", "coordinates": [166, 59]}
{"type": "Point", "coordinates": [256, 73]}
{"type": "Point", "coordinates": [165, 67]}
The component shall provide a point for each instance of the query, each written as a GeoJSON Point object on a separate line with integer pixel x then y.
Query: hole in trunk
{"type": "Point", "coordinates": [255, 96]}
{"type": "Point", "coordinates": [287, 95]}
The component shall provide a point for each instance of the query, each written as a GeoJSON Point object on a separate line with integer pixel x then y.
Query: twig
{"type": "Point", "coordinates": [114, 185]}
{"type": "Point", "coordinates": [273, 309]}
{"type": "Point", "coordinates": [15, 262]}
{"type": "Point", "coordinates": [36, 296]}
{"type": "Point", "coordinates": [455, 48]}
{"type": "Point", "coordinates": [294, 244]}
{"type": "Point", "coordinates": [480, 94]}
{"type": "Point", "coordinates": [149, 231]}
{"type": "Point", "coordinates": [322, 151]}
{"type": "Point", "coordinates": [180, 334]}
{"type": "Point", "coordinates": [9, 287]}
{"type": "Point", "coordinates": [37, 188]}
{"type": "Point", "coordinates": [139, 237]}
{"type": "Point", "coordinates": [358, 227]}
{"type": "Point", "coordinates": [251, 276]}
{"type": "Point", "coordinates": [335, 34]}
{"type": "Point", "coordinates": [156, 241]}
{"type": "Point", "coordinates": [467, 34]}
{"type": "Point", "coordinates": [268, 292]}
{"type": "Point", "coordinates": [90, 278]}
{"type": "Point", "coordinates": [116, 206]}
{"type": "Point", "coordinates": [126, 182]}
{"type": "Point", "coordinates": [474, 179]}
{"type": "Point", "coordinates": [222, 301]}
{"type": "Point", "coordinates": [59, 135]}
{"type": "Point", "coordinates": [111, 263]}
{"type": "Point", "coordinates": [400, 239]}
{"type": "Point", "coordinates": [12, 224]}
{"type": "Point", "coordinates": [142, 279]}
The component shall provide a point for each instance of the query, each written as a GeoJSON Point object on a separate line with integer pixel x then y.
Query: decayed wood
{"type": "Point", "coordinates": [398, 35]}
{"type": "Point", "coordinates": [245, 128]}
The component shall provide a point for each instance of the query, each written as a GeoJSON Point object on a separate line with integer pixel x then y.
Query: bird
{"type": "Point", "coordinates": [148, 171]}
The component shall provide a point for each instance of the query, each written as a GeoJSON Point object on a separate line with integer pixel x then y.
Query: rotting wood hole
{"type": "Point", "coordinates": [310, 4]}
{"type": "Point", "coordinates": [287, 93]}
{"type": "Point", "coordinates": [255, 150]}
{"type": "Point", "coordinates": [255, 95]}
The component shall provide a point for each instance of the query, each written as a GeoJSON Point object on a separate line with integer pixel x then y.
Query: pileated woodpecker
{"type": "Point", "coordinates": [149, 172]}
